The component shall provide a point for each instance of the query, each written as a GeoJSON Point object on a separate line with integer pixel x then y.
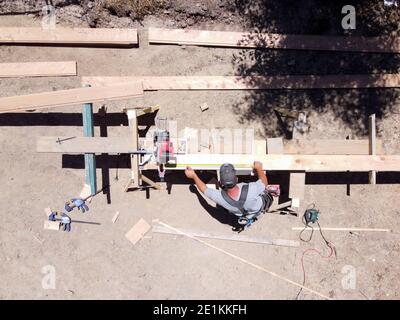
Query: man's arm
{"type": "Point", "coordinates": [191, 174]}
{"type": "Point", "coordinates": [257, 166]}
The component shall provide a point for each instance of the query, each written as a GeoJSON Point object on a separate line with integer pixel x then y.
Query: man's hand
{"type": "Point", "coordinates": [189, 172]}
{"type": "Point", "coordinates": [257, 165]}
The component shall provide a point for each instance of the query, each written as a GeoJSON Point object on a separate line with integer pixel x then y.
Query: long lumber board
{"type": "Point", "coordinates": [228, 237]}
{"type": "Point", "coordinates": [310, 163]}
{"type": "Point", "coordinates": [329, 146]}
{"type": "Point", "coordinates": [80, 145]}
{"type": "Point", "coordinates": [73, 36]}
{"type": "Point", "coordinates": [253, 82]}
{"type": "Point", "coordinates": [71, 97]}
{"type": "Point", "coordinates": [38, 69]}
{"type": "Point", "coordinates": [274, 41]}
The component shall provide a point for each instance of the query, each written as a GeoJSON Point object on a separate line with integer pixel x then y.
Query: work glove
{"type": "Point", "coordinates": [52, 216]}
{"type": "Point", "coordinates": [76, 202]}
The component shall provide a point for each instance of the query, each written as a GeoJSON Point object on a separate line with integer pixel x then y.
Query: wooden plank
{"type": "Point", "coordinates": [339, 147]}
{"type": "Point", "coordinates": [228, 237]}
{"type": "Point", "coordinates": [138, 231]}
{"type": "Point", "coordinates": [344, 229]}
{"type": "Point", "coordinates": [275, 145]}
{"type": "Point", "coordinates": [71, 36]}
{"type": "Point", "coordinates": [38, 69]}
{"type": "Point", "coordinates": [71, 97]}
{"type": "Point", "coordinates": [372, 145]}
{"type": "Point", "coordinates": [135, 173]}
{"type": "Point", "coordinates": [316, 163]}
{"type": "Point", "coordinates": [254, 82]}
{"type": "Point", "coordinates": [274, 41]}
{"type": "Point", "coordinates": [80, 145]}
{"type": "Point", "coordinates": [297, 185]}
{"type": "Point", "coordinates": [309, 163]}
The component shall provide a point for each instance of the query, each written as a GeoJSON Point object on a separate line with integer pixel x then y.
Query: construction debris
{"type": "Point", "coordinates": [203, 107]}
{"type": "Point", "coordinates": [138, 231]}
{"type": "Point", "coordinates": [116, 215]}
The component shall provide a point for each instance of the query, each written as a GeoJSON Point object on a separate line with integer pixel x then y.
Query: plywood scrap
{"type": "Point", "coordinates": [229, 237]}
{"type": "Point", "coordinates": [254, 82]}
{"type": "Point", "coordinates": [273, 40]}
{"type": "Point", "coordinates": [69, 36]}
{"type": "Point", "coordinates": [71, 97]}
{"type": "Point", "coordinates": [38, 69]}
{"type": "Point", "coordinates": [51, 225]}
{"type": "Point", "coordinates": [138, 231]}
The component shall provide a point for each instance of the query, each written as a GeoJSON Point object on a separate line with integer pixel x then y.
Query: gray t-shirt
{"type": "Point", "coordinates": [253, 203]}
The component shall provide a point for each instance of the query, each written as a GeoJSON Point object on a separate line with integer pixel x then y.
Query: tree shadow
{"type": "Point", "coordinates": [347, 99]}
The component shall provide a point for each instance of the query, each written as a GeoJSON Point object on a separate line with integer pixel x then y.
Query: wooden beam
{"type": "Point", "coordinates": [309, 163]}
{"type": "Point", "coordinates": [80, 145]}
{"type": "Point", "coordinates": [135, 180]}
{"type": "Point", "coordinates": [274, 41]}
{"type": "Point", "coordinates": [350, 147]}
{"type": "Point", "coordinates": [71, 97]}
{"type": "Point", "coordinates": [72, 36]}
{"type": "Point", "coordinates": [38, 69]}
{"type": "Point", "coordinates": [253, 82]}
{"type": "Point", "coordinates": [372, 145]}
{"type": "Point", "coordinates": [228, 237]}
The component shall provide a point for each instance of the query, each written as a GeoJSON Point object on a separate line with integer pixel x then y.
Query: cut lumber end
{"type": "Point", "coordinates": [138, 231]}
{"type": "Point", "coordinates": [204, 107]}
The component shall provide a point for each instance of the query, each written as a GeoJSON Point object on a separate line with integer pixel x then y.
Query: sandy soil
{"type": "Point", "coordinates": [96, 261]}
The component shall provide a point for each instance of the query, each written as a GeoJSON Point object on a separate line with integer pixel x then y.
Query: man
{"type": "Point", "coordinates": [247, 201]}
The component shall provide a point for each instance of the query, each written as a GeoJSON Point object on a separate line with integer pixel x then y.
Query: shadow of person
{"type": "Point", "coordinates": [217, 212]}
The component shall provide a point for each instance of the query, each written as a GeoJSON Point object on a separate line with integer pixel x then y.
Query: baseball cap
{"type": "Point", "coordinates": [227, 173]}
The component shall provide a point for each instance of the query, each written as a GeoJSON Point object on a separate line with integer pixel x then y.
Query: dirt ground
{"type": "Point", "coordinates": [97, 262]}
